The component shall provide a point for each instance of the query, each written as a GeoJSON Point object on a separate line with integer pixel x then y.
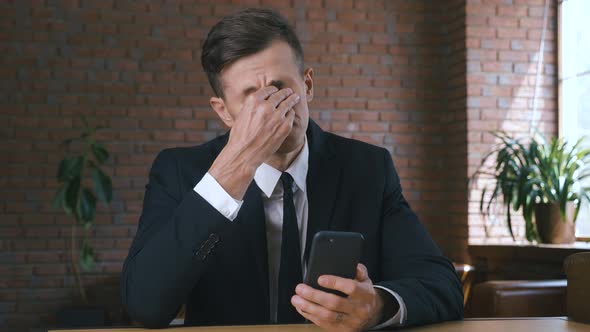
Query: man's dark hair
{"type": "Point", "coordinates": [244, 33]}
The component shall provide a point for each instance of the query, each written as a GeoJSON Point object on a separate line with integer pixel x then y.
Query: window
{"type": "Point", "coordinates": [574, 82]}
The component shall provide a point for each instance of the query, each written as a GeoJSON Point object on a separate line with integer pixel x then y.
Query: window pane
{"type": "Point", "coordinates": [583, 87]}
{"type": "Point", "coordinates": [583, 110]}
{"type": "Point", "coordinates": [583, 222]}
{"type": "Point", "coordinates": [567, 39]}
{"type": "Point", "coordinates": [575, 83]}
{"type": "Point", "coordinates": [582, 32]}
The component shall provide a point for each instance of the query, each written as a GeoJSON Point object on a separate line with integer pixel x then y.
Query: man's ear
{"type": "Point", "coordinates": [308, 80]}
{"type": "Point", "coordinates": [219, 107]}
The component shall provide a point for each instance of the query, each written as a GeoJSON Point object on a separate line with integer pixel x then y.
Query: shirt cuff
{"type": "Point", "coordinates": [214, 194]}
{"type": "Point", "coordinates": [400, 317]}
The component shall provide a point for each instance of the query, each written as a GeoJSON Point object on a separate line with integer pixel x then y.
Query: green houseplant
{"type": "Point", "coordinates": [82, 184]}
{"type": "Point", "coordinates": [535, 178]}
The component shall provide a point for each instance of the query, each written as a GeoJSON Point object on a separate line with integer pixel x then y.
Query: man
{"type": "Point", "coordinates": [226, 226]}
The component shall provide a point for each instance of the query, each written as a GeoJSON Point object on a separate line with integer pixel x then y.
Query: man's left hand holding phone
{"type": "Point", "coordinates": [363, 308]}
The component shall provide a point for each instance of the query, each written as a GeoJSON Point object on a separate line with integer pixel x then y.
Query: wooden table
{"type": "Point", "coordinates": [558, 324]}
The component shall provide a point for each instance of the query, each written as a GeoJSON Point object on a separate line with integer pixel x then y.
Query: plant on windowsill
{"type": "Point", "coordinates": [543, 180]}
{"type": "Point", "coordinates": [82, 183]}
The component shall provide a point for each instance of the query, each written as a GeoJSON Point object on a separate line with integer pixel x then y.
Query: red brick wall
{"type": "Point", "coordinates": [502, 42]}
{"type": "Point", "coordinates": [393, 73]}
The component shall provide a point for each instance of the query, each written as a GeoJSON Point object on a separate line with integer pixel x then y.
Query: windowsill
{"type": "Point", "coordinates": [509, 261]}
{"type": "Point", "coordinates": [524, 250]}
{"type": "Point", "coordinates": [578, 245]}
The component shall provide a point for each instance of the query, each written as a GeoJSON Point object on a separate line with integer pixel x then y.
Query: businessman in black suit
{"type": "Point", "coordinates": [226, 226]}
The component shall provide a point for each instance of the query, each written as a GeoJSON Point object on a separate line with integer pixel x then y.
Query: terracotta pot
{"type": "Point", "coordinates": [551, 228]}
{"type": "Point", "coordinates": [577, 268]}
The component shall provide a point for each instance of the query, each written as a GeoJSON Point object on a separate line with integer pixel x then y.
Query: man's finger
{"type": "Point", "coordinates": [290, 116]}
{"type": "Point", "coordinates": [265, 92]}
{"type": "Point", "coordinates": [327, 300]}
{"type": "Point", "coordinates": [276, 98]}
{"type": "Point", "coordinates": [313, 319]}
{"type": "Point", "coordinates": [345, 285]}
{"type": "Point", "coordinates": [288, 104]}
{"type": "Point", "coordinates": [315, 309]}
{"type": "Point", "coordinates": [361, 273]}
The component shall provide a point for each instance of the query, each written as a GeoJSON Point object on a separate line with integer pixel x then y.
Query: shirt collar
{"type": "Point", "coordinates": [267, 177]}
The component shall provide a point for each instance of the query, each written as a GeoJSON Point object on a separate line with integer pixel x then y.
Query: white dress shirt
{"type": "Point", "coordinates": [267, 178]}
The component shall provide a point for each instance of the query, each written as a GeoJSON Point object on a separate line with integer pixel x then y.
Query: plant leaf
{"type": "Point", "coordinates": [69, 168]}
{"type": "Point", "coordinates": [60, 196]}
{"type": "Point", "coordinates": [578, 204]}
{"type": "Point", "coordinates": [86, 256]}
{"type": "Point", "coordinates": [102, 185]}
{"type": "Point", "coordinates": [100, 152]}
{"type": "Point", "coordinates": [71, 199]}
{"type": "Point", "coordinates": [87, 205]}
{"type": "Point", "coordinates": [482, 200]}
{"type": "Point", "coordinates": [509, 222]}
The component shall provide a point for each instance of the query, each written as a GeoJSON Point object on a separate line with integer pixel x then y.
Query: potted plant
{"type": "Point", "coordinates": [541, 179]}
{"type": "Point", "coordinates": [82, 184]}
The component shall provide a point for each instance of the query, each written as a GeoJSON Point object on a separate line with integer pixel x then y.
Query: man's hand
{"type": "Point", "coordinates": [362, 309]}
{"type": "Point", "coordinates": [259, 129]}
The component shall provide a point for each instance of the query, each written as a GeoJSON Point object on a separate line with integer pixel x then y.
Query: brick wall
{"type": "Point", "coordinates": [502, 42]}
{"type": "Point", "coordinates": [393, 73]}
{"type": "Point", "coordinates": [454, 167]}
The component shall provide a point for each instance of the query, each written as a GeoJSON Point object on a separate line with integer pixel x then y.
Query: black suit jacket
{"type": "Point", "coordinates": [185, 251]}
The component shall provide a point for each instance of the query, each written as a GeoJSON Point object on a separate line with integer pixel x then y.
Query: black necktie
{"type": "Point", "coordinates": [290, 273]}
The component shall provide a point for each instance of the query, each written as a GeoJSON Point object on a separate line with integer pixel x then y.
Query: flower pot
{"type": "Point", "coordinates": [577, 268]}
{"type": "Point", "coordinates": [551, 228]}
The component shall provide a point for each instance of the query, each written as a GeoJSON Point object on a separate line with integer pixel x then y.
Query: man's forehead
{"type": "Point", "coordinates": [252, 81]}
{"type": "Point", "coordinates": [278, 57]}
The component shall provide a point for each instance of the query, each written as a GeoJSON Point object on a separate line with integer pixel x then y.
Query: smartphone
{"type": "Point", "coordinates": [334, 253]}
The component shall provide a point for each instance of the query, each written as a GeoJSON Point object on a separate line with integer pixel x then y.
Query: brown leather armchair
{"type": "Point", "coordinates": [519, 298]}
{"type": "Point", "coordinates": [465, 272]}
{"type": "Point", "coordinates": [577, 268]}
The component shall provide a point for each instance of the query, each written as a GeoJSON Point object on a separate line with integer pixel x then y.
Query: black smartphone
{"type": "Point", "coordinates": [334, 253]}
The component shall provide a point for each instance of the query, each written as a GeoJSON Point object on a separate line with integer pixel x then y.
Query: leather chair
{"type": "Point", "coordinates": [465, 272]}
{"type": "Point", "coordinates": [519, 298]}
{"type": "Point", "coordinates": [577, 268]}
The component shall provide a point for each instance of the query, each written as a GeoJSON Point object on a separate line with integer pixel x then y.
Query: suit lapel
{"type": "Point", "coordinates": [322, 183]}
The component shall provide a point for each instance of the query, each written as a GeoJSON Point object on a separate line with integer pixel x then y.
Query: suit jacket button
{"type": "Point", "coordinates": [214, 237]}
